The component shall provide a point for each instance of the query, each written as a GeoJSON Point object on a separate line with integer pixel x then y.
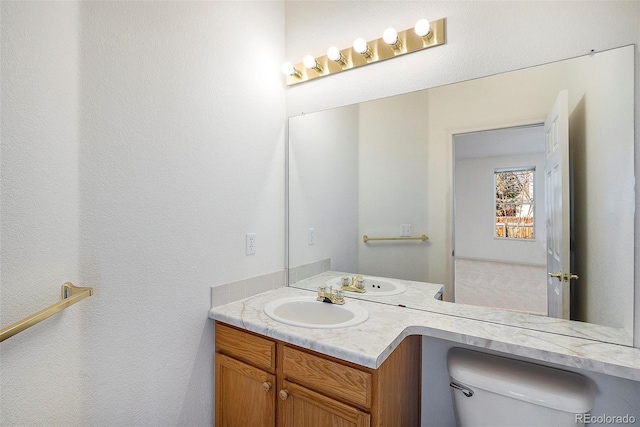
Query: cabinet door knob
{"type": "Point", "coordinates": [284, 394]}
{"type": "Point", "coordinates": [266, 386]}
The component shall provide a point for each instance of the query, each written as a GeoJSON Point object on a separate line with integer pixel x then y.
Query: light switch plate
{"type": "Point", "coordinates": [251, 244]}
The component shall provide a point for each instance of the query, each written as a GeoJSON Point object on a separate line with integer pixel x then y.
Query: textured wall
{"type": "Point", "coordinates": [140, 142]}
{"type": "Point", "coordinates": [40, 205]}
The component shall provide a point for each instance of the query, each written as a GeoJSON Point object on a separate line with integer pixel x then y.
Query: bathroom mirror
{"type": "Point", "coordinates": [425, 163]}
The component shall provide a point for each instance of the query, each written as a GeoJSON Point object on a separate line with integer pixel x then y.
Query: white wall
{"type": "Point", "coordinates": [323, 192]}
{"type": "Point", "coordinates": [393, 187]}
{"type": "Point", "coordinates": [40, 206]}
{"type": "Point", "coordinates": [140, 142]}
{"type": "Point", "coordinates": [603, 210]}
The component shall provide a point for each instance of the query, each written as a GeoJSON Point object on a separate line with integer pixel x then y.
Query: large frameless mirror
{"type": "Point", "coordinates": [468, 193]}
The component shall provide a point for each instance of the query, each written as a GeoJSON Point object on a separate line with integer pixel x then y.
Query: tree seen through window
{"type": "Point", "coordinates": [514, 203]}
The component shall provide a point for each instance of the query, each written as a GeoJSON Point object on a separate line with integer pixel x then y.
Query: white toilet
{"type": "Point", "coordinates": [495, 391]}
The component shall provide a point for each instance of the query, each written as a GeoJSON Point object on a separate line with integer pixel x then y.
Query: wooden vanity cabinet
{"type": "Point", "coordinates": [265, 382]}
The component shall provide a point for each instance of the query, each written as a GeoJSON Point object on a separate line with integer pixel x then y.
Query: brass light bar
{"type": "Point", "coordinates": [70, 295]}
{"type": "Point", "coordinates": [408, 40]}
{"type": "Point", "coordinates": [366, 238]}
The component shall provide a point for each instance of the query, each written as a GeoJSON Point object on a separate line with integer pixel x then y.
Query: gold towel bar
{"type": "Point", "coordinates": [366, 238]}
{"type": "Point", "coordinates": [70, 295]}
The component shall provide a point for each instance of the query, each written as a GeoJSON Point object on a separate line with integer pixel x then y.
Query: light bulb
{"type": "Point", "coordinates": [422, 28]}
{"type": "Point", "coordinates": [289, 70]}
{"type": "Point", "coordinates": [309, 61]}
{"type": "Point", "coordinates": [360, 45]}
{"type": "Point", "coordinates": [333, 53]}
{"type": "Point", "coordinates": [390, 36]}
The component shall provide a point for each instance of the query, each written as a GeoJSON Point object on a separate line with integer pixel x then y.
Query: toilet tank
{"type": "Point", "coordinates": [512, 393]}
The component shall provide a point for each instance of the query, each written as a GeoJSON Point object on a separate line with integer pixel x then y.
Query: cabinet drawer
{"type": "Point", "coordinates": [328, 377]}
{"type": "Point", "coordinates": [260, 352]}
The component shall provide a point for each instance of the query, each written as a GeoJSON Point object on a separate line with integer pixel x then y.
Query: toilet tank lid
{"type": "Point", "coordinates": [536, 384]}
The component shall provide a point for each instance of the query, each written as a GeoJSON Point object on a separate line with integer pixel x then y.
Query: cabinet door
{"type": "Point", "coordinates": [300, 406]}
{"type": "Point", "coordinates": [245, 395]}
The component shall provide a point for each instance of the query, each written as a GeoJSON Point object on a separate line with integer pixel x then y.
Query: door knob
{"type": "Point", "coordinates": [284, 394]}
{"type": "Point", "coordinates": [266, 386]}
{"type": "Point", "coordinates": [556, 275]}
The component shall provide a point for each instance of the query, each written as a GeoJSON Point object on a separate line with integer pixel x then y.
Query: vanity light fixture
{"type": "Point", "coordinates": [310, 62]}
{"type": "Point", "coordinates": [335, 55]}
{"type": "Point", "coordinates": [423, 35]}
{"type": "Point", "coordinates": [390, 37]}
{"type": "Point", "coordinates": [289, 70]}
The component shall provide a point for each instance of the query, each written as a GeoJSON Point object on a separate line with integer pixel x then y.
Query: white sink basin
{"type": "Point", "coordinates": [309, 313]}
{"type": "Point", "coordinates": [375, 286]}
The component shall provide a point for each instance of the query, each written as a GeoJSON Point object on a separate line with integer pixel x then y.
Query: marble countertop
{"type": "Point", "coordinates": [421, 296]}
{"type": "Point", "coordinates": [369, 343]}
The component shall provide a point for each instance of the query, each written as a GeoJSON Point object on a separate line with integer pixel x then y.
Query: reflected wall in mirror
{"type": "Point", "coordinates": [376, 167]}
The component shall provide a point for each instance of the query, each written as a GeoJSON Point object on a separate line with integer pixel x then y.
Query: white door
{"type": "Point", "coordinates": [557, 201]}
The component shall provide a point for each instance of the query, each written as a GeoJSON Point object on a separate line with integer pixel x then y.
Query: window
{"type": "Point", "coordinates": [514, 203]}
